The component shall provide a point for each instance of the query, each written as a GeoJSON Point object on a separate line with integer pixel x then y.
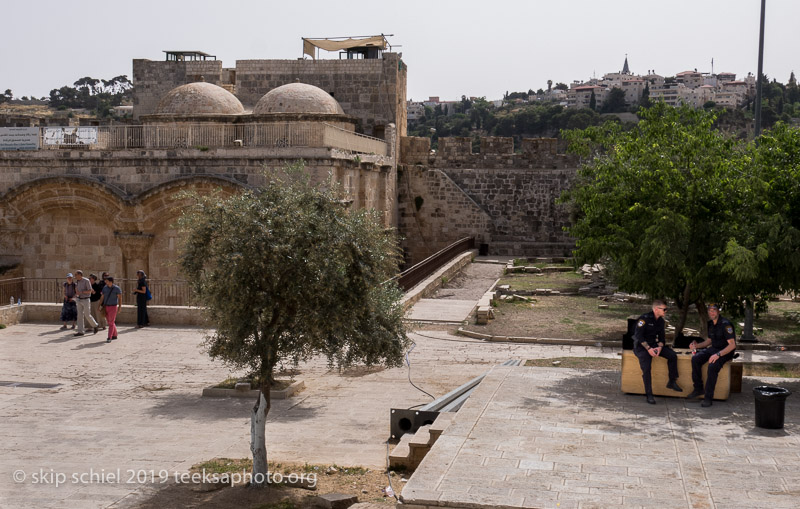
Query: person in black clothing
{"type": "Point", "coordinates": [649, 342]}
{"type": "Point", "coordinates": [721, 343]}
{"type": "Point", "coordinates": [142, 319]}
{"type": "Point", "coordinates": [97, 292]}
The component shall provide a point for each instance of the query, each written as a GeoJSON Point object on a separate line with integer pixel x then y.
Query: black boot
{"type": "Point", "coordinates": [674, 386]}
{"type": "Point", "coordinates": [695, 394]}
{"type": "Point", "coordinates": [651, 399]}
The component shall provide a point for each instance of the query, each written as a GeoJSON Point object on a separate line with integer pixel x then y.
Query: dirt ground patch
{"type": "Point", "coordinates": [579, 317]}
{"type": "Point", "coordinates": [368, 485]}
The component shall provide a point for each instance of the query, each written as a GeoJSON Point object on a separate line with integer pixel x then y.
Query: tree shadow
{"type": "Point", "coordinates": [359, 371]}
{"type": "Point", "coordinates": [199, 408]}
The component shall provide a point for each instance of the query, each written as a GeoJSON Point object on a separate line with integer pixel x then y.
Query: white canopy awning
{"type": "Point", "coordinates": [377, 41]}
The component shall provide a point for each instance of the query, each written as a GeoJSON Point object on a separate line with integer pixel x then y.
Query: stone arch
{"type": "Point", "coordinates": [26, 201]}
{"type": "Point", "coordinates": [160, 204]}
{"type": "Point", "coordinates": [158, 210]}
{"type": "Point", "coordinates": [55, 225]}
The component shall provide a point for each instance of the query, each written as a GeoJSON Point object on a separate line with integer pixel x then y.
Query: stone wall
{"type": "Point", "coordinates": [153, 79]}
{"type": "Point", "coordinates": [371, 90]}
{"type": "Point", "coordinates": [115, 211]}
{"type": "Point", "coordinates": [433, 212]}
{"type": "Point", "coordinates": [504, 199]}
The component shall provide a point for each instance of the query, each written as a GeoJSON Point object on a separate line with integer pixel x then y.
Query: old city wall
{"type": "Point", "coordinates": [371, 90]}
{"type": "Point", "coordinates": [153, 79]}
{"type": "Point", "coordinates": [116, 210]}
{"type": "Point", "coordinates": [504, 199]}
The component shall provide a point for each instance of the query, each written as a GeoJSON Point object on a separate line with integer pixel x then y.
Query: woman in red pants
{"type": "Point", "coordinates": [112, 302]}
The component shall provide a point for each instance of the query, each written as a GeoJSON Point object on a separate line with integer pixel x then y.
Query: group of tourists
{"type": "Point", "coordinates": [97, 303]}
{"type": "Point", "coordinates": [717, 349]}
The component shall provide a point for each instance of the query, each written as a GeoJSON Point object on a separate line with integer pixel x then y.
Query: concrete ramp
{"type": "Point", "coordinates": [441, 310]}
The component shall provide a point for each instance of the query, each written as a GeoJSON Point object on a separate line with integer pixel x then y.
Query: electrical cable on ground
{"type": "Point", "coordinates": [388, 476]}
{"type": "Point", "coordinates": [408, 362]}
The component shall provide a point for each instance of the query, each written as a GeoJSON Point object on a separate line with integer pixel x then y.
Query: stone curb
{"type": "Point", "coordinates": [216, 392]}
{"type": "Point", "coordinates": [605, 343]}
{"type": "Point", "coordinates": [545, 341]}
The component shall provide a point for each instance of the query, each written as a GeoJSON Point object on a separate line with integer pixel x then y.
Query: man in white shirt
{"type": "Point", "coordinates": [83, 290]}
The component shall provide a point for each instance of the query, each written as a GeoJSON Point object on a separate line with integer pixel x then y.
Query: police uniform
{"type": "Point", "coordinates": [649, 332]}
{"type": "Point", "coordinates": [719, 333]}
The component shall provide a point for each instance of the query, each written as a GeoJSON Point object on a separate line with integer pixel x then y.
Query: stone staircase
{"type": "Point", "coordinates": [411, 449]}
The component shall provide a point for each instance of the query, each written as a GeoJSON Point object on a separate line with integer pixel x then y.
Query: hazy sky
{"type": "Point", "coordinates": [452, 48]}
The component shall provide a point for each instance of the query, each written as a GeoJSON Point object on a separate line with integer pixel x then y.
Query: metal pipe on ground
{"type": "Point", "coordinates": [402, 421]}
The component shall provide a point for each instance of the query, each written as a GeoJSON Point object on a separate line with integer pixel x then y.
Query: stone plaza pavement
{"type": "Point", "coordinates": [549, 437]}
{"type": "Point", "coordinates": [135, 405]}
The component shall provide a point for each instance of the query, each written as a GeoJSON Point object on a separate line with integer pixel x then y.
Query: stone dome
{"type": "Point", "coordinates": [199, 99]}
{"type": "Point", "coordinates": [298, 98]}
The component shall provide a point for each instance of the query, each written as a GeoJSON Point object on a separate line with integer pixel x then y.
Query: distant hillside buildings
{"type": "Point", "coordinates": [692, 88]}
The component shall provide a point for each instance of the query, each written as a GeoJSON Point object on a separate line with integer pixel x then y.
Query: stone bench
{"type": "Point", "coordinates": [631, 377]}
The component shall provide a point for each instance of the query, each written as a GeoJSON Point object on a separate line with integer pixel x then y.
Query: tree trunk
{"type": "Point", "coordinates": [747, 333]}
{"type": "Point", "coordinates": [258, 440]}
{"type": "Point", "coordinates": [702, 313]}
{"type": "Point", "coordinates": [684, 307]}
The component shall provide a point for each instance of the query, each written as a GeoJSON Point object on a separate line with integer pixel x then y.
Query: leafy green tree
{"type": "Point", "coordinates": [658, 203]}
{"type": "Point", "coordinates": [645, 101]}
{"type": "Point", "coordinates": [6, 96]}
{"type": "Point", "coordinates": [286, 272]}
{"type": "Point", "coordinates": [593, 102]}
{"type": "Point", "coordinates": [762, 258]}
{"type": "Point", "coordinates": [615, 102]}
{"type": "Point", "coordinates": [562, 86]}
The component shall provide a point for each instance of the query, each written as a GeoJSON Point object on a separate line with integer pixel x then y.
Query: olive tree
{"type": "Point", "coordinates": [286, 272]}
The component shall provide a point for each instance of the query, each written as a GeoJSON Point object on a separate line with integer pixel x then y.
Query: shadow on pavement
{"type": "Point", "coordinates": [177, 406]}
{"type": "Point", "coordinates": [585, 390]}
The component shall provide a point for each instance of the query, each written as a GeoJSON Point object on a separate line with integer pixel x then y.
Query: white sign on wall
{"type": "Point", "coordinates": [70, 135]}
{"type": "Point", "coordinates": [19, 138]}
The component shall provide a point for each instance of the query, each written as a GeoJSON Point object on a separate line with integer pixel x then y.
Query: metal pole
{"type": "Point", "coordinates": [747, 333]}
{"type": "Point", "coordinates": [757, 131]}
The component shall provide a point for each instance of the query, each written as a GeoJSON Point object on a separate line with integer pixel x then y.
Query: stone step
{"type": "Point", "coordinates": [401, 454]}
{"type": "Point", "coordinates": [440, 424]}
{"type": "Point", "coordinates": [422, 438]}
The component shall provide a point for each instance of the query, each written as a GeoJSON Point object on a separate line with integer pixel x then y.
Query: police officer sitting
{"type": "Point", "coordinates": [722, 341]}
{"type": "Point", "coordinates": [649, 342]}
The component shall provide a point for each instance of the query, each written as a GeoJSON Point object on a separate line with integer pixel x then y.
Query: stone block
{"type": "Point", "coordinates": [335, 501]}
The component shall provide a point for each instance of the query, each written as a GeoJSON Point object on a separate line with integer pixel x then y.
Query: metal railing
{"type": "Point", "coordinates": [165, 292]}
{"type": "Point", "coordinates": [11, 288]}
{"type": "Point", "coordinates": [204, 136]}
{"type": "Point", "coordinates": [409, 278]}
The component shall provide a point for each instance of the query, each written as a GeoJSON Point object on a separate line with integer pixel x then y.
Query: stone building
{"type": "Point", "coordinates": [372, 90]}
{"type": "Point", "coordinates": [107, 197]}
{"type": "Point", "coordinates": [112, 204]}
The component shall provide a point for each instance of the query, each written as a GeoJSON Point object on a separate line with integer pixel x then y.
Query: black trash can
{"type": "Point", "coordinates": [770, 406]}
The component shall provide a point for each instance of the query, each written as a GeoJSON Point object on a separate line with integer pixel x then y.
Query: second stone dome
{"type": "Point", "coordinates": [298, 98]}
